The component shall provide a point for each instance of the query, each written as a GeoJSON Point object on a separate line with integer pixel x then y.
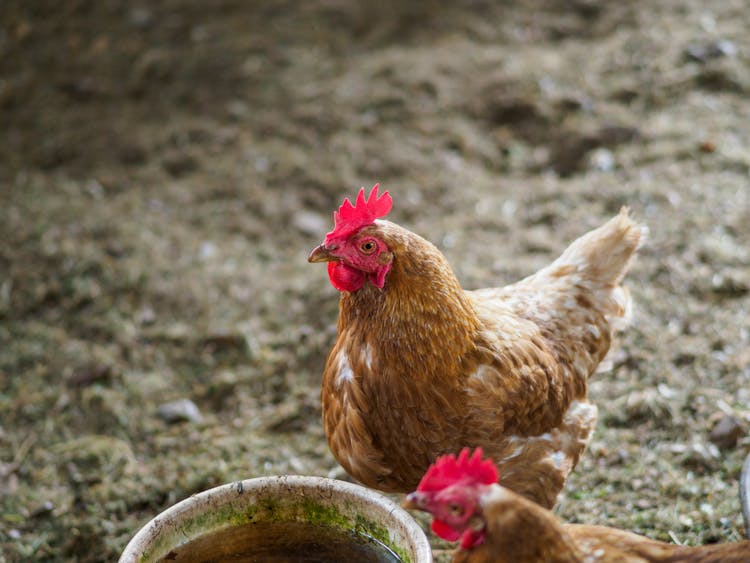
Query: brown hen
{"type": "Point", "coordinates": [496, 525]}
{"type": "Point", "coordinates": [421, 367]}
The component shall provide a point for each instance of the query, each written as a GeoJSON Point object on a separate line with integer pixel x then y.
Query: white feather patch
{"type": "Point", "coordinates": [367, 355]}
{"type": "Point", "coordinates": [514, 454]}
{"type": "Point", "coordinates": [557, 458]}
{"type": "Point", "coordinates": [345, 373]}
{"type": "Point", "coordinates": [583, 410]}
{"type": "Point", "coordinates": [482, 372]}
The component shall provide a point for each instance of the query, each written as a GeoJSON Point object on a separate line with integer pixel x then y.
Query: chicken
{"type": "Point", "coordinates": [497, 525]}
{"type": "Point", "coordinates": [421, 367]}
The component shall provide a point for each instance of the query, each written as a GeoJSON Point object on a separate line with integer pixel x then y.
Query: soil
{"type": "Point", "coordinates": [167, 166]}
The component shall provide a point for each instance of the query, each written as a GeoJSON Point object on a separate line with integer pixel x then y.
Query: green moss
{"type": "Point", "coordinates": [271, 506]}
{"type": "Point", "coordinates": [251, 512]}
{"type": "Point", "coordinates": [206, 521]}
{"type": "Point", "coordinates": [316, 513]}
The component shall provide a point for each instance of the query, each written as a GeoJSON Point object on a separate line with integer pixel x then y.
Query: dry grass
{"type": "Point", "coordinates": [166, 169]}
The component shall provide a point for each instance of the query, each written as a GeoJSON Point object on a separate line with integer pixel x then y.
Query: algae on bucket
{"type": "Point", "coordinates": [283, 518]}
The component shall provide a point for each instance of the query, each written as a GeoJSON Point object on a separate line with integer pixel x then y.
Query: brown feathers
{"type": "Point", "coordinates": [422, 367]}
{"type": "Point", "coordinates": [520, 531]}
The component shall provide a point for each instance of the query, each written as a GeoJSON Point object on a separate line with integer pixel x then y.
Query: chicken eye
{"type": "Point", "coordinates": [456, 509]}
{"type": "Point", "coordinates": [367, 247]}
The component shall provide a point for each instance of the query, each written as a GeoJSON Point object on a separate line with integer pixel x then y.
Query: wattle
{"type": "Point", "coordinates": [443, 530]}
{"type": "Point", "coordinates": [345, 278]}
{"type": "Point", "coordinates": [472, 538]}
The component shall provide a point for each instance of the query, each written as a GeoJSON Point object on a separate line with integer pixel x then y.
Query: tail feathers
{"type": "Point", "coordinates": [603, 255]}
{"type": "Point", "coordinates": [599, 260]}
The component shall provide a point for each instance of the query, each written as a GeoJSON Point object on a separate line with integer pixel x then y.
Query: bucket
{"type": "Point", "coordinates": [275, 517]}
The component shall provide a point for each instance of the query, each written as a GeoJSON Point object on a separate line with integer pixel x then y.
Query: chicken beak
{"type": "Point", "coordinates": [321, 254]}
{"type": "Point", "coordinates": [413, 501]}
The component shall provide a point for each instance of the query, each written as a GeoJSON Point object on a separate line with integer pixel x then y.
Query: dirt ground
{"type": "Point", "coordinates": [167, 166]}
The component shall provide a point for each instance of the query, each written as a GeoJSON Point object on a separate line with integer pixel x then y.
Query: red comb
{"type": "Point", "coordinates": [350, 217]}
{"type": "Point", "coordinates": [449, 469]}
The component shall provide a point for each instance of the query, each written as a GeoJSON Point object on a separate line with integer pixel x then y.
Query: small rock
{"type": "Point", "coordinates": [183, 410]}
{"type": "Point", "coordinates": [713, 50]}
{"type": "Point", "coordinates": [602, 159]}
{"type": "Point", "coordinates": [146, 316]}
{"type": "Point", "coordinates": [707, 509]}
{"type": "Point", "coordinates": [685, 520]}
{"type": "Point", "coordinates": [727, 432]}
{"type": "Point", "coordinates": [207, 250]}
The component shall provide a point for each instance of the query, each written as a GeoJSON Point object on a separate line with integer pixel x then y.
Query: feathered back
{"type": "Point", "coordinates": [449, 470]}
{"type": "Point", "coordinates": [350, 218]}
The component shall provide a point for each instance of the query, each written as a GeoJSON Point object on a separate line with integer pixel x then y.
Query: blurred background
{"type": "Point", "coordinates": [165, 167]}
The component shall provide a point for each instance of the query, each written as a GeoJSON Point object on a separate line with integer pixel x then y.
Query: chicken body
{"type": "Point", "coordinates": [421, 367]}
{"type": "Point", "coordinates": [519, 531]}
